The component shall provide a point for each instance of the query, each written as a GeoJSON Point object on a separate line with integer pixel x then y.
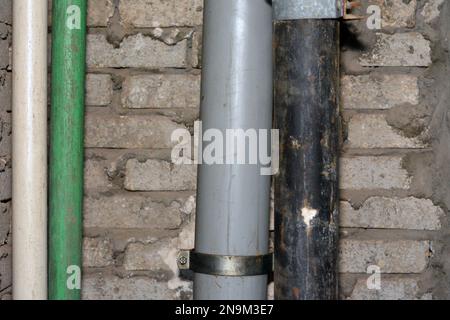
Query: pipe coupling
{"type": "Point", "coordinates": [308, 9]}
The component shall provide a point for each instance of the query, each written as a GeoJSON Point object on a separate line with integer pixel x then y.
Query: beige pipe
{"type": "Point", "coordinates": [29, 230]}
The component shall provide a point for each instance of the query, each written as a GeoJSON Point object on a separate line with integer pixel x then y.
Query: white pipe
{"type": "Point", "coordinates": [29, 230]}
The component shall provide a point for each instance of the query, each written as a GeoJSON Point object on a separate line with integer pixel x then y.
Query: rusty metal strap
{"type": "Point", "coordinates": [231, 266]}
{"type": "Point", "coordinates": [307, 9]}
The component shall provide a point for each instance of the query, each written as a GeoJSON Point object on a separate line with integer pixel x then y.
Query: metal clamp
{"type": "Point", "coordinates": [308, 9]}
{"type": "Point", "coordinates": [231, 266]}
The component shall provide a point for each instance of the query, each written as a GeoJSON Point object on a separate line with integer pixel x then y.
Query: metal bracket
{"type": "Point", "coordinates": [308, 9]}
{"type": "Point", "coordinates": [231, 266]}
{"type": "Point", "coordinates": [348, 7]}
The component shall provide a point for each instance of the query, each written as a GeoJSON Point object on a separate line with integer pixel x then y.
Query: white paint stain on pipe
{"type": "Point", "coordinates": [308, 215]}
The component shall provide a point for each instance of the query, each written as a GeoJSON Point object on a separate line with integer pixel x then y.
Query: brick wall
{"type": "Point", "coordinates": [5, 149]}
{"type": "Point", "coordinates": [139, 209]}
{"type": "Point", "coordinates": [144, 82]}
{"type": "Point", "coordinates": [391, 216]}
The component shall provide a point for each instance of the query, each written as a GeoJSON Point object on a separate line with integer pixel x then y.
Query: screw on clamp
{"type": "Point", "coordinates": [183, 260]}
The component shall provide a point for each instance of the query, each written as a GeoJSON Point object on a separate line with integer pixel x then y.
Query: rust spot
{"type": "Point", "coordinates": [296, 293]}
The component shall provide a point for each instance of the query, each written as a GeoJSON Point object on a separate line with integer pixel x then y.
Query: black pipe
{"type": "Point", "coordinates": [306, 189]}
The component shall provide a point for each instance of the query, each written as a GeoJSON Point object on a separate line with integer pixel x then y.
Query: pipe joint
{"type": "Point", "coordinates": [308, 9]}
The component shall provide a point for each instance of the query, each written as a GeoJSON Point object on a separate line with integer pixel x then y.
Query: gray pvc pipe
{"type": "Point", "coordinates": [233, 200]}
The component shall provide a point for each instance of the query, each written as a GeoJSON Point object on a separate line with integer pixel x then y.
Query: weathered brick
{"type": "Point", "coordinates": [95, 175]}
{"type": "Point", "coordinates": [99, 89]}
{"type": "Point", "coordinates": [97, 252]}
{"type": "Point", "coordinates": [5, 221]}
{"type": "Point", "coordinates": [137, 51]}
{"type": "Point", "coordinates": [186, 238]}
{"type": "Point", "coordinates": [391, 289]}
{"type": "Point", "coordinates": [157, 175]}
{"type": "Point", "coordinates": [161, 91]}
{"type": "Point", "coordinates": [379, 91]}
{"type": "Point", "coordinates": [170, 253]}
{"type": "Point", "coordinates": [5, 150]}
{"type": "Point", "coordinates": [5, 135]}
{"type": "Point", "coordinates": [5, 184]}
{"type": "Point", "coordinates": [431, 10]}
{"type": "Point", "coordinates": [392, 213]}
{"type": "Point", "coordinates": [140, 256]}
{"type": "Point", "coordinates": [402, 256]}
{"type": "Point", "coordinates": [5, 91]}
{"type": "Point", "coordinates": [196, 52]}
{"type": "Point", "coordinates": [398, 13]}
{"type": "Point", "coordinates": [161, 13]}
{"type": "Point", "coordinates": [161, 257]}
{"type": "Point", "coordinates": [398, 50]}
{"type": "Point", "coordinates": [371, 131]}
{"type": "Point", "coordinates": [6, 295]}
{"type": "Point", "coordinates": [4, 53]}
{"type": "Point", "coordinates": [373, 172]}
{"type": "Point", "coordinates": [133, 211]}
{"type": "Point", "coordinates": [108, 287]}
{"type": "Point", "coordinates": [5, 267]}
{"type": "Point", "coordinates": [171, 36]}
{"type": "Point", "coordinates": [6, 11]}
{"type": "Point", "coordinates": [103, 131]}
{"type": "Point", "coordinates": [4, 30]}
{"type": "Point", "coordinates": [99, 12]}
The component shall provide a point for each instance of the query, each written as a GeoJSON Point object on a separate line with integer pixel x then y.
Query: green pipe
{"type": "Point", "coordinates": [66, 154]}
